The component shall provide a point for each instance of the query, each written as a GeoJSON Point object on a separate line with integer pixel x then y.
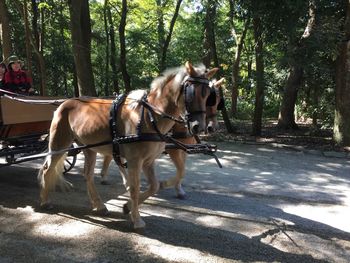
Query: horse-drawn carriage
{"type": "Point", "coordinates": [144, 120]}
{"type": "Point", "coordinates": [24, 126]}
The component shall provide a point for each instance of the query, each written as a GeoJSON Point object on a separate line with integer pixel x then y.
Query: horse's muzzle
{"type": "Point", "coordinates": [196, 127]}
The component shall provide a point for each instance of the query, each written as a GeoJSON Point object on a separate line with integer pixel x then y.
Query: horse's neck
{"type": "Point", "coordinates": [165, 104]}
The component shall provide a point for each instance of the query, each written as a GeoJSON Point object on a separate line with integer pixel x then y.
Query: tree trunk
{"type": "Point", "coordinates": [209, 35]}
{"type": "Point", "coordinates": [286, 118]}
{"type": "Point", "coordinates": [236, 62]}
{"type": "Point", "coordinates": [63, 72]}
{"type": "Point", "coordinates": [123, 66]}
{"type": "Point", "coordinates": [315, 102]}
{"type": "Point", "coordinates": [161, 33]}
{"type": "Point", "coordinates": [27, 38]}
{"type": "Point", "coordinates": [341, 131]}
{"type": "Point", "coordinates": [260, 82]}
{"type": "Point", "coordinates": [35, 19]}
{"type": "Point", "coordinates": [168, 38]}
{"type": "Point", "coordinates": [105, 19]}
{"type": "Point", "coordinates": [113, 52]}
{"type": "Point", "coordinates": [210, 54]}
{"type": "Point", "coordinates": [38, 47]}
{"type": "Point", "coordinates": [81, 39]}
{"type": "Point", "coordinates": [5, 30]}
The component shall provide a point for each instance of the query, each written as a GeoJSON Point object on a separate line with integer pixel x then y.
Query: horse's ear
{"type": "Point", "coordinates": [211, 73]}
{"type": "Point", "coordinates": [219, 83]}
{"type": "Point", "coordinates": [190, 69]}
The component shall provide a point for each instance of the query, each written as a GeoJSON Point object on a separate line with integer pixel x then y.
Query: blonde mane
{"type": "Point", "coordinates": [177, 73]}
{"type": "Point", "coordinates": [135, 96]}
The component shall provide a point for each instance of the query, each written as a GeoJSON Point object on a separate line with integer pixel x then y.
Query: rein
{"type": "Point", "coordinates": [172, 143]}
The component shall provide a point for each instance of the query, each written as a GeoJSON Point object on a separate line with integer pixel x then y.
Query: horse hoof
{"type": "Point", "coordinates": [101, 212]}
{"type": "Point", "coordinates": [139, 226]}
{"type": "Point", "coordinates": [126, 209]}
{"type": "Point", "coordinates": [161, 185]}
{"type": "Point", "coordinates": [46, 206]}
{"type": "Point", "coordinates": [181, 196]}
{"type": "Point", "coordinates": [105, 182]}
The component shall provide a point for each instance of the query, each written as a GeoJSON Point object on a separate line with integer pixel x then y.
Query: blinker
{"type": "Point", "coordinates": [212, 98]}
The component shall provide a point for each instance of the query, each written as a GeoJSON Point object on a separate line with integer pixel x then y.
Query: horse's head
{"type": "Point", "coordinates": [215, 102]}
{"type": "Point", "coordinates": [196, 91]}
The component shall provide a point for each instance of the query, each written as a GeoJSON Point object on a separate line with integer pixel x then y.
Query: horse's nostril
{"type": "Point", "coordinates": [210, 129]}
{"type": "Point", "coordinates": [195, 129]}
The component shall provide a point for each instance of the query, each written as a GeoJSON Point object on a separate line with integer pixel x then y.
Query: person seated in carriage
{"type": "Point", "coordinates": [16, 79]}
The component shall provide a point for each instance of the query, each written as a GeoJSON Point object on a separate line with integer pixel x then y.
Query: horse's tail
{"type": "Point", "coordinates": [51, 173]}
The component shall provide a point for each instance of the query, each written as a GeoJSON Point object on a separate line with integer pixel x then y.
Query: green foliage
{"type": "Point", "coordinates": [283, 24]}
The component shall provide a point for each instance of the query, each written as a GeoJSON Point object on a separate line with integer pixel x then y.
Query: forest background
{"type": "Point", "coordinates": [282, 59]}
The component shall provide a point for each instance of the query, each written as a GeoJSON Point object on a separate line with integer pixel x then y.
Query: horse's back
{"type": "Point", "coordinates": [85, 120]}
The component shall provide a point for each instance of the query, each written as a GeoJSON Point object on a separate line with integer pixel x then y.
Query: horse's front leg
{"type": "Point", "coordinates": [153, 183]}
{"type": "Point", "coordinates": [89, 166]}
{"type": "Point", "coordinates": [153, 186]}
{"type": "Point", "coordinates": [179, 159]}
{"type": "Point", "coordinates": [134, 171]}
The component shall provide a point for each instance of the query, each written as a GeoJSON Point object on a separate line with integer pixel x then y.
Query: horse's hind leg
{"type": "Point", "coordinates": [89, 166]}
{"type": "Point", "coordinates": [179, 159]}
{"type": "Point", "coordinates": [104, 172]}
{"type": "Point", "coordinates": [49, 176]}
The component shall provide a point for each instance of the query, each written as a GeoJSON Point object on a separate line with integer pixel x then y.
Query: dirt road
{"type": "Point", "coordinates": [266, 205]}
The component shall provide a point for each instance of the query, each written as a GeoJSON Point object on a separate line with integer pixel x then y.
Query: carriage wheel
{"type": "Point", "coordinates": [69, 163]}
{"type": "Point", "coordinates": [10, 158]}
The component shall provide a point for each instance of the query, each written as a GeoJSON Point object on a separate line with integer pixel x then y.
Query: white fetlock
{"type": "Point", "coordinates": [139, 223]}
{"type": "Point", "coordinates": [181, 194]}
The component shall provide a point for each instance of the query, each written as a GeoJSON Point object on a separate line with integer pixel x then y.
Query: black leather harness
{"type": "Point", "coordinates": [172, 143]}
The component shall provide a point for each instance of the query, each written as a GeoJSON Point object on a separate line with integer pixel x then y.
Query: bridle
{"type": "Point", "coordinates": [188, 87]}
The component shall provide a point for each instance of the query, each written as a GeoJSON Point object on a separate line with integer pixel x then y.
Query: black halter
{"type": "Point", "coordinates": [188, 88]}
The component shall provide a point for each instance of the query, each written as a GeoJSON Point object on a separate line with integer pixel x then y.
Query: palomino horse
{"type": "Point", "coordinates": [138, 116]}
{"type": "Point", "coordinates": [180, 133]}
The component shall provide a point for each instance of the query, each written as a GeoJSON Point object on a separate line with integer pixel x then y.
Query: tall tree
{"type": "Point", "coordinates": [38, 46]}
{"type": "Point", "coordinates": [123, 67]}
{"type": "Point", "coordinates": [81, 38]}
{"type": "Point", "coordinates": [5, 30]}
{"type": "Point", "coordinates": [341, 130]}
{"type": "Point", "coordinates": [105, 20]}
{"type": "Point", "coordinates": [210, 53]}
{"type": "Point", "coordinates": [165, 41]}
{"type": "Point", "coordinates": [260, 82]}
{"type": "Point", "coordinates": [286, 118]}
{"type": "Point", "coordinates": [113, 51]}
{"type": "Point", "coordinates": [238, 52]}
{"type": "Point", "coordinates": [28, 36]}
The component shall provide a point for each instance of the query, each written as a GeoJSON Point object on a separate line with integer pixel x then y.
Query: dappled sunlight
{"type": "Point", "coordinates": [265, 173]}
{"type": "Point", "coordinates": [234, 153]}
{"type": "Point", "coordinates": [264, 149]}
{"type": "Point", "coordinates": [63, 229]}
{"type": "Point", "coordinates": [330, 166]}
{"type": "Point", "coordinates": [335, 216]}
{"type": "Point", "coordinates": [320, 179]}
{"type": "Point", "coordinates": [179, 254]}
{"type": "Point", "coordinates": [209, 221]}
